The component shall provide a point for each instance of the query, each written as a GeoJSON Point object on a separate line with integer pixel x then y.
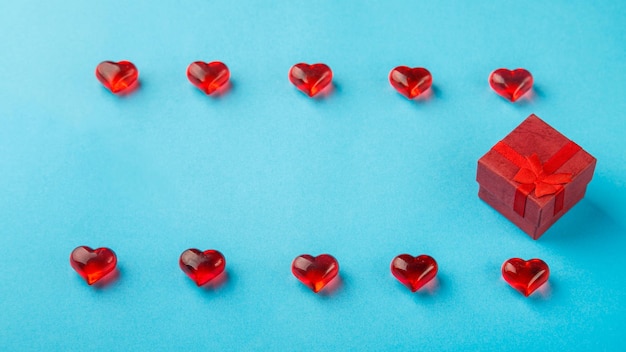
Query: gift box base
{"type": "Point", "coordinates": [530, 228]}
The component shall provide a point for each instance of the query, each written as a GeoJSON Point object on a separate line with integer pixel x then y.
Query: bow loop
{"type": "Point", "coordinates": [557, 179]}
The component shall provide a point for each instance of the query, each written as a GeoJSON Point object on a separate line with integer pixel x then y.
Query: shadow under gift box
{"type": "Point", "coordinates": [534, 176]}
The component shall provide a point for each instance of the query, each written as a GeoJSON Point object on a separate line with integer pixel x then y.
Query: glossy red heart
{"type": "Point", "coordinates": [414, 272]}
{"type": "Point", "coordinates": [315, 272]}
{"type": "Point", "coordinates": [511, 84]}
{"type": "Point", "coordinates": [92, 264]}
{"type": "Point", "coordinates": [410, 82]}
{"type": "Point", "coordinates": [208, 77]}
{"type": "Point", "coordinates": [118, 77]}
{"type": "Point", "coordinates": [525, 276]}
{"type": "Point", "coordinates": [311, 79]}
{"type": "Point", "coordinates": [202, 267]}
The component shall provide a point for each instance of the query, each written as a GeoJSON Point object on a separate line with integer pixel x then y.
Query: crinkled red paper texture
{"type": "Point", "coordinates": [495, 175]}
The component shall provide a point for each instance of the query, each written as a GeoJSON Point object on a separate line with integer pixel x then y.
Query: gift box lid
{"type": "Point", "coordinates": [555, 155]}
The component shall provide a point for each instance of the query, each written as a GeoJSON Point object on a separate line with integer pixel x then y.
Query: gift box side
{"type": "Point", "coordinates": [492, 200]}
{"type": "Point", "coordinates": [571, 190]}
{"type": "Point", "coordinates": [524, 224]}
{"type": "Point", "coordinates": [495, 174]}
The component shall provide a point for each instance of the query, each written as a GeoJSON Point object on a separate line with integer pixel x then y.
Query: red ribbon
{"type": "Point", "coordinates": [538, 177]}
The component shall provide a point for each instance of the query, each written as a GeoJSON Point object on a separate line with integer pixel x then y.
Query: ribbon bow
{"type": "Point", "coordinates": [533, 176]}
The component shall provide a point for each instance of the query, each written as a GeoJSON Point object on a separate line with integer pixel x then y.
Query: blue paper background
{"type": "Point", "coordinates": [264, 173]}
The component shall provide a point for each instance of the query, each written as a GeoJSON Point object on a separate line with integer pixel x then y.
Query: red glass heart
{"type": "Point", "coordinates": [202, 267]}
{"type": "Point", "coordinates": [315, 272]}
{"type": "Point", "coordinates": [117, 77]}
{"type": "Point", "coordinates": [311, 79]}
{"type": "Point", "coordinates": [208, 77]}
{"type": "Point", "coordinates": [410, 82]}
{"type": "Point", "coordinates": [525, 276]}
{"type": "Point", "coordinates": [511, 84]}
{"type": "Point", "coordinates": [414, 272]}
{"type": "Point", "coordinates": [92, 264]}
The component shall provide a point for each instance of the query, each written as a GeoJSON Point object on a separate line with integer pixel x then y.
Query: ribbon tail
{"type": "Point", "coordinates": [521, 195]}
{"type": "Point", "coordinates": [559, 200]}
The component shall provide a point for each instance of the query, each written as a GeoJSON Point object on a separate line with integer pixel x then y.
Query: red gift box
{"type": "Point", "coordinates": [534, 176]}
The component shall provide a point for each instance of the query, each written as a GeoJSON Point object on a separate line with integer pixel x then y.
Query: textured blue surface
{"type": "Point", "coordinates": [264, 173]}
